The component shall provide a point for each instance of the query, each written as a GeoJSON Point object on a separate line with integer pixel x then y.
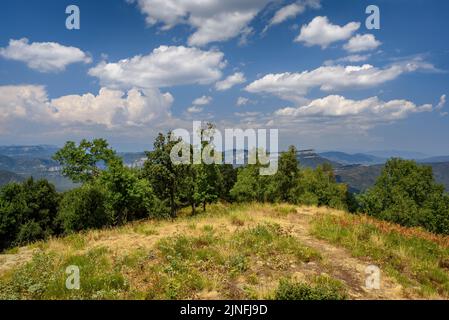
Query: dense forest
{"type": "Point", "coordinates": [112, 194]}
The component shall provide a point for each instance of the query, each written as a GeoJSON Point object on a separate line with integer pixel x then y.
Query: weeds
{"type": "Point", "coordinates": [321, 288]}
{"type": "Point", "coordinates": [416, 262]}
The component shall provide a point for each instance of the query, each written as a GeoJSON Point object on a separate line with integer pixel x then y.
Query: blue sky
{"type": "Point", "coordinates": [309, 68]}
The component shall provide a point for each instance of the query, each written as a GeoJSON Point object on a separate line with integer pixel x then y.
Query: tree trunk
{"type": "Point", "coordinates": [193, 208]}
{"type": "Point", "coordinates": [204, 206]}
{"type": "Point", "coordinates": [172, 203]}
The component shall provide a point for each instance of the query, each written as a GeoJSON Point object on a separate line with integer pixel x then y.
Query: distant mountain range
{"type": "Point", "coordinates": [348, 159]}
{"type": "Point", "coordinates": [370, 159]}
{"type": "Point", "coordinates": [387, 154]}
{"type": "Point", "coordinates": [42, 151]}
{"type": "Point", "coordinates": [20, 162]}
{"type": "Point", "coordinates": [8, 177]}
{"type": "Point", "coordinates": [361, 177]}
{"type": "Point", "coordinates": [358, 170]}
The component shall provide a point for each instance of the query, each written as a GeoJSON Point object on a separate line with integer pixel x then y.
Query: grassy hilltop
{"type": "Point", "coordinates": [245, 251]}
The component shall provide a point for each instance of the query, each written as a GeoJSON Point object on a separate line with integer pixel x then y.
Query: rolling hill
{"type": "Point", "coordinates": [244, 251]}
{"type": "Point", "coordinates": [359, 177]}
{"type": "Point", "coordinates": [8, 177]}
{"type": "Point", "coordinates": [348, 159]}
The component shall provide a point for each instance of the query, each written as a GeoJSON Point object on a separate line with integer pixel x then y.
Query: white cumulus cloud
{"type": "Point", "coordinates": [291, 11]}
{"type": "Point", "coordinates": [195, 109]}
{"type": "Point", "coordinates": [370, 110]}
{"type": "Point", "coordinates": [231, 81]}
{"type": "Point", "coordinates": [242, 101]}
{"type": "Point", "coordinates": [113, 108]}
{"type": "Point", "coordinates": [23, 102]}
{"type": "Point", "coordinates": [361, 43]}
{"type": "Point", "coordinates": [442, 102]}
{"type": "Point", "coordinates": [212, 20]}
{"type": "Point", "coordinates": [108, 109]}
{"type": "Point", "coordinates": [164, 67]}
{"type": "Point", "coordinates": [322, 33]}
{"type": "Point", "coordinates": [202, 101]}
{"type": "Point", "coordinates": [43, 56]}
{"type": "Point", "coordinates": [294, 86]}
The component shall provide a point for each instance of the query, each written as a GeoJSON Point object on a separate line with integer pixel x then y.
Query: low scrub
{"type": "Point", "coordinates": [417, 259]}
{"type": "Point", "coordinates": [321, 288]}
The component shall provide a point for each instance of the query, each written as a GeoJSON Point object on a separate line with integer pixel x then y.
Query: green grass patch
{"type": "Point", "coordinates": [321, 288]}
{"type": "Point", "coordinates": [415, 262]}
{"type": "Point", "coordinates": [76, 241]}
{"type": "Point", "coordinates": [14, 250]}
{"type": "Point", "coordinates": [269, 240]}
{"type": "Point", "coordinates": [45, 278]}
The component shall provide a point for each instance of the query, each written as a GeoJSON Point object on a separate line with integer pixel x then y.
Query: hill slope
{"type": "Point", "coordinates": [348, 159]}
{"type": "Point", "coordinates": [360, 178]}
{"type": "Point", "coordinates": [233, 252]}
{"type": "Point", "coordinates": [7, 177]}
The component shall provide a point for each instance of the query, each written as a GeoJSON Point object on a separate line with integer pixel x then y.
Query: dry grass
{"type": "Point", "coordinates": [415, 258]}
{"type": "Point", "coordinates": [239, 251]}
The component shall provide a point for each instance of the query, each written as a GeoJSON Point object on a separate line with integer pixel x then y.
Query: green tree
{"type": "Point", "coordinates": [286, 177]}
{"type": "Point", "coordinates": [128, 196]}
{"type": "Point", "coordinates": [163, 175]}
{"type": "Point", "coordinates": [208, 184]}
{"type": "Point", "coordinates": [319, 187]}
{"type": "Point", "coordinates": [406, 193]}
{"type": "Point", "coordinates": [84, 208]}
{"type": "Point", "coordinates": [251, 186]}
{"type": "Point", "coordinates": [82, 163]}
{"type": "Point", "coordinates": [27, 212]}
{"type": "Point", "coordinates": [228, 178]}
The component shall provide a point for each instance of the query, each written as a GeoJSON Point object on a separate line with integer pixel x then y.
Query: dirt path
{"type": "Point", "coordinates": [340, 262]}
{"type": "Point", "coordinates": [9, 261]}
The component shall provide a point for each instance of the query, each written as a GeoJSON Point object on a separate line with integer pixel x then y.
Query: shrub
{"type": "Point", "coordinates": [319, 187]}
{"type": "Point", "coordinates": [406, 193]}
{"type": "Point", "coordinates": [322, 288]}
{"type": "Point", "coordinates": [84, 208]}
{"type": "Point", "coordinates": [128, 196]}
{"type": "Point", "coordinates": [27, 212]}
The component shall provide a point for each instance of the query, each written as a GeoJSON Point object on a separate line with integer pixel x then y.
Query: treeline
{"type": "Point", "coordinates": [112, 194]}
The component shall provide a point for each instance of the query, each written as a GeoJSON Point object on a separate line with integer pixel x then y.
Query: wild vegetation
{"type": "Point", "coordinates": [238, 251]}
{"type": "Point", "coordinates": [205, 258]}
{"type": "Point", "coordinates": [417, 260]}
{"type": "Point", "coordinates": [112, 194]}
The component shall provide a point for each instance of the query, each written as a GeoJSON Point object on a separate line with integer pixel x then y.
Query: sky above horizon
{"type": "Point", "coordinates": [309, 68]}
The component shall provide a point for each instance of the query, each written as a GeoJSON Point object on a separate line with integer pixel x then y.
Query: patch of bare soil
{"type": "Point", "coordinates": [9, 261]}
{"type": "Point", "coordinates": [339, 263]}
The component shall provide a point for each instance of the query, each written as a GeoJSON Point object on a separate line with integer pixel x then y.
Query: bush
{"type": "Point", "coordinates": [319, 187]}
{"type": "Point", "coordinates": [27, 212]}
{"type": "Point", "coordinates": [322, 288]}
{"type": "Point", "coordinates": [406, 193]}
{"type": "Point", "coordinates": [84, 208]}
{"type": "Point", "coordinates": [128, 196]}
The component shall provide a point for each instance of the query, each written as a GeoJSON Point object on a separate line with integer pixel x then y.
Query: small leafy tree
{"type": "Point", "coordinates": [128, 197]}
{"type": "Point", "coordinates": [82, 163]}
{"type": "Point", "coordinates": [207, 184]}
{"type": "Point", "coordinates": [406, 193]}
{"type": "Point", "coordinates": [286, 178]}
{"type": "Point", "coordinates": [163, 175]}
{"type": "Point", "coordinates": [319, 187]}
{"type": "Point", "coordinates": [84, 208]}
{"type": "Point", "coordinates": [251, 186]}
{"type": "Point", "coordinates": [27, 212]}
{"type": "Point", "coordinates": [228, 178]}
{"type": "Point", "coordinates": [208, 176]}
